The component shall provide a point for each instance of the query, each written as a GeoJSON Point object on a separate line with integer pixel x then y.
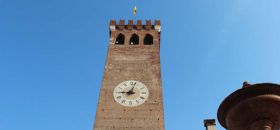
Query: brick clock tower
{"type": "Point", "coordinates": [131, 93]}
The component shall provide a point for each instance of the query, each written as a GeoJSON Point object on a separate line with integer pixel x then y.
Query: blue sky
{"type": "Point", "coordinates": [52, 56]}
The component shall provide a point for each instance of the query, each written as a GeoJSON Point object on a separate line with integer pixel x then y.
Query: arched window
{"type": "Point", "coordinates": [148, 40]}
{"type": "Point", "coordinates": [134, 40]}
{"type": "Point", "coordinates": [120, 39]}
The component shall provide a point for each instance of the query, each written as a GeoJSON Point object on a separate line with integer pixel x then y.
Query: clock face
{"type": "Point", "coordinates": [131, 93]}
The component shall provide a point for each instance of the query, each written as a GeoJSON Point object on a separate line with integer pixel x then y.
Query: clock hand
{"type": "Point", "coordinates": [121, 92]}
{"type": "Point", "coordinates": [131, 90]}
{"type": "Point", "coordinates": [126, 92]}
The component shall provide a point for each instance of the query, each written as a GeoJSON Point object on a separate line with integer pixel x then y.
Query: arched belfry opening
{"type": "Point", "coordinates": [120, 39]}
{"type": "Point", "coordinates": [148, 40]}
{"type": "Point", "coordinates": [134, 40]}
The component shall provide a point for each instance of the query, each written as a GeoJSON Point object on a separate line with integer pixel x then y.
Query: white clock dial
{"type": "Point", "coordinates": [131, 93]}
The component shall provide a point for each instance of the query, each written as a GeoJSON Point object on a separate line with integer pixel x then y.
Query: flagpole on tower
{"type": "Point", "coordinates": [134, 10]}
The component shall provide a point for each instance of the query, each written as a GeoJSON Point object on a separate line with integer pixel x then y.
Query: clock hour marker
{"type": "Point", "coordinates": [132, 83]}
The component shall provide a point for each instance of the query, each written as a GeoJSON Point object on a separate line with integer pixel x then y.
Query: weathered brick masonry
{"type": "Point", "coordinates": [128, 61]}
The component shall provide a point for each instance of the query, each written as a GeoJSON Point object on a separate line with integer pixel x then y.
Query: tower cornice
{"type": "Point", "coordinates": [135, 25]}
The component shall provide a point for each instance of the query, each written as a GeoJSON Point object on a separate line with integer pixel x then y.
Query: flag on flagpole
{"type": "Point", "coordinates": [134, 10]}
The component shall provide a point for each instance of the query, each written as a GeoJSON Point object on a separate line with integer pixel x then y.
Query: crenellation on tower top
{"type": "Point", "coordinates": [157, 25]}
{"type": "Point", "coordinates": [139, 24]}
{"type": "Point", "coordinates": [121, 24]}
{"type": "Point", "coordinates": [130, 25]}
{"type": "Point", "coordinates": [135, 33]}
{"type": "Point", "coordinates": [148, 24]}
{"type": "Point", "coordinates": [112, 25]}
{"type": "Point", "coordinates": [157, 22]}
{"type": "Point", "coordinates": [112, 22]}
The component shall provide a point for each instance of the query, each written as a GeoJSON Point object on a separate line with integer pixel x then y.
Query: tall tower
{"type": "Point", "coordinates": [131, 92]}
